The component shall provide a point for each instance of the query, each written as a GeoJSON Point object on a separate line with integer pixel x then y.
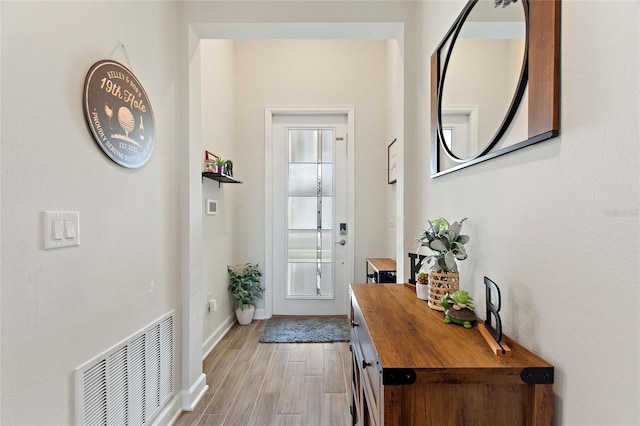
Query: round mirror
{"type": "Point", "coordinates": [484, 74]}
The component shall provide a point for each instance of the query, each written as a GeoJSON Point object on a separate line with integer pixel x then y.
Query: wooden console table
{"type": "Point", "coordinates": [381, 270]}
{"type": "Point", "coordinates": [410, 368]}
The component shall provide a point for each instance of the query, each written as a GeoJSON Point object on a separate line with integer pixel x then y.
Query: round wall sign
{"type": "Point", "coordinates": [119, 114]}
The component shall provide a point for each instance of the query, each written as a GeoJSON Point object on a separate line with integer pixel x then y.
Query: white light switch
{"type": "Point", "coordinates": [57, 229]}
{"type": "Point", "coordinates": [69, 229]}
{"type": "Point", "coordinates": [61, 229]}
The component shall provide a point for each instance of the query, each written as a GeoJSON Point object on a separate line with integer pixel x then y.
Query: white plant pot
{"type": "Point", "coordinates": [422, 291]}
{"type": "Point", "coordinates": [245, 317]}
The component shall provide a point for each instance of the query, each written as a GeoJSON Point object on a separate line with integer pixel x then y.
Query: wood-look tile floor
{"type": "Point", "coordinates": [253, 383]}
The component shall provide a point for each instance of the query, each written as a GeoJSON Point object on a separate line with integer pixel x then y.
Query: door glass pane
{"type": "Point", "coordinates": [303, 213]}
{"type": "Point", "coordinates": [303, 146]}
{"type": "Point", "coordinates": [303, 246]}
{"type": "Point", "coordinates": [310, 213]}
{"type": "Point", "coordinates": [327, 146]}
{"type": "Point", "coordinates": [303, 179]}
{"type": "Point", "coordinates": [326, 283]}
{"type": "Point", "coordinates": [448, 137]}
{"type": "Point", "coordinates": [326, 245]}
{"type": "Point", "coordinates": [302, 279]}
{"type": "Point", "coordinates": [327, 180]}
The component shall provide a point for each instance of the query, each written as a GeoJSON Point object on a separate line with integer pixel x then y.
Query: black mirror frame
{"type": "Point", "coordinates": [542, 66]}
{"type": "Point", "coordinates": [445, 50]}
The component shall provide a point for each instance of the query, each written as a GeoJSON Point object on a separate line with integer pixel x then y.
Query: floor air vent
{"type": "Point", "coordinates": [128, 384]}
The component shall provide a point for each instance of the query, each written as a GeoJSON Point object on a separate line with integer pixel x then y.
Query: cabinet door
{"type": "Point", "coordinates": [356, 390]}
{"type": "Point", "coordinates": [366, 370]}
{"type": "Point", "coordinates": [360, 408]}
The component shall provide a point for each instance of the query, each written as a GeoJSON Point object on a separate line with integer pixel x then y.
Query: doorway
{"type": "Point", "coordinates": [311, 253]}
{"type": "Point", "coordinates": [460, 130]}
{"type": "Point", "coordinates": [193, 313]}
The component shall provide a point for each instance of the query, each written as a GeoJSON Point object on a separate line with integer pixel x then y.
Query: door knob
{"type": "Point", "coordinates": [342, 242]}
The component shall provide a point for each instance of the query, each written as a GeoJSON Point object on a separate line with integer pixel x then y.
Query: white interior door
{"type": "Point", "coordinates": [460, 130]}
{"type": "Point", "coordinates": [310, 225]}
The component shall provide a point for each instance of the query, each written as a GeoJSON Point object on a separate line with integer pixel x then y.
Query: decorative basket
{"type": "Point", "coordinates": [441, 283]}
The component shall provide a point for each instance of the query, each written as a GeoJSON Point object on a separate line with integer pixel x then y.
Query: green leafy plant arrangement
{"type": "Point", "coordinates": [244, 284]}
{"type": "Point", "coordinates": [459, 309]}
{"type": "Point", "coordinates": [462, 299]}
{"type": "Point", "coordinates": [446, 242]}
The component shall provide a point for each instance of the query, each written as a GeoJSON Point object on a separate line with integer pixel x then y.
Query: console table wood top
{"type": "Point", "coordinates": [408, 334]}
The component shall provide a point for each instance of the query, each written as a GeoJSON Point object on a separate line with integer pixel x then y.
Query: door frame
{"type": "Point", "coordinates": [471, 112]}
{"type": "Point", "coordinates": [269, 113]}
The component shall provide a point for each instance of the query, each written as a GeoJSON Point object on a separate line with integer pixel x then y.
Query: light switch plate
{"type": "Point", "coordinates": [54, 223]}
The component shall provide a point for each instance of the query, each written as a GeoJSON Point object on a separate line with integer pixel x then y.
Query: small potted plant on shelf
{"type": "Point", "coordinates": [447, 244]}
{"type": "Point", "coordinates": [221, 164]}
{"type": "Point", "coordinates": [244, 285]}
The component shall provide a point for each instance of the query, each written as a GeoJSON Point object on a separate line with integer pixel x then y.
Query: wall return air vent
{"type": "Point", "coordinates": [129, 383]}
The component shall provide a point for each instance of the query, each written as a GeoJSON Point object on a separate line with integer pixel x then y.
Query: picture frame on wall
{"type": "Point", "coordinates": [392, 162]}
{"type": "Point", "coordinates": [210, 162]}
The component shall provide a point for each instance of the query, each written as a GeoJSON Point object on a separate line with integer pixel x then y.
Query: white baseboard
{"type": "Point", "coordinates": [170, 413]}
{"type": "Point", "coordinates": [260, 314]}
{"type": "Point", "coordinates": [191, 397]}
{"type": "Point", "coordinates": [183, 401]}
{"type": "Point", "coordinates": [218, 334]}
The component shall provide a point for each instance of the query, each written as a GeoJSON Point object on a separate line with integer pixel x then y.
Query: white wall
{"type": "Point", "coordinates": [61, 307]}
{"type": "Point", "coordinates": [279, 73]}
{"type": "Point", "coordinates": [556, 224]}
{"type": "Point", "coordinates": [218, 137]}
{"type": "Point", "coordinates": [393, 127]}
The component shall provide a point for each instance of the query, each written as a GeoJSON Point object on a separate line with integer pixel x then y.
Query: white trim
{"type": "Point", "coordinates": [269, 113]}
{"type": "Point", "coordinates": [191, 225]}
{"type": "Point", "coordinates": [268, 213]}
{"type": "Point", "coordinates": [299, 30]}
{"type": "Point", "coordinates": [170, 413]}
{"type": "Point", "coordinates": [217, 334]}
{"type": "Point", "coordinates": [260, 314]}
{"type": "Point", "coordinates": [195, 393]}
{"type": "Point", "coordinates": [492, 30]}
{"type": "Point", "coordinates": [471, 112]}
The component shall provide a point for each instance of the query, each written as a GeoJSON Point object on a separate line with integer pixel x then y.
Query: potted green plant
{"type": "Point", "coordinates": [447, 244]}
{"type": "Point", "coordinates": [422, 281]}
{"type": "Point", "coordinates": [459, 309]}
{"type": "Point", "coordinates": [244, 286]}
{"type": "Point", "coordinates": [221, 164]}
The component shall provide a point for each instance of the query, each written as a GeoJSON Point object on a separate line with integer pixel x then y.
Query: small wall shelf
{"type": "Point", "coordinates": [220, 178]}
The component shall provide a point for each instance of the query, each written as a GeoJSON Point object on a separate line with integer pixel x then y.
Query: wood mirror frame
{"type": "Point", "coordinates": [543, 85]}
